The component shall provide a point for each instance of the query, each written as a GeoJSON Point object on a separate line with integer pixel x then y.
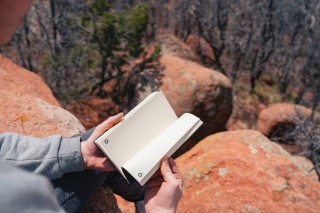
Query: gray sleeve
{"type": "Point", "coordinates": [52, 156]}
{"type": "Point", "coordinates": [21, 191]}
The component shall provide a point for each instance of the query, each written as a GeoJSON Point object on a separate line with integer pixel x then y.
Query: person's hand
{"type": "Point", "coordinates": [93, 158]}
{"type": "Point", "coordinates": [164, 189]}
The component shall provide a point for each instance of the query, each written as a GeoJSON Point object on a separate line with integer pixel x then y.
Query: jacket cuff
{"type": "Point", "coordinates": [70, 158]}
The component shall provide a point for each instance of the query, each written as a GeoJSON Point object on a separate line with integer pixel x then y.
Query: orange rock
{"type": "Point", "coordinates": [28, 105]}
{"type": "Point", "coordinates": [172, 45]}
{"type": "Point", "coordinates": [281, 113]}
{"type": "Point", "coordinates": [29, 115]}
{"type": "Point", "coordinates": [242, 171]}
{"type": "Point", "coordinates": [15, 79]}
{"type": "Point", "coordinates": [92, 110]}
{"type": "Point", "coordinates": [125, 206]}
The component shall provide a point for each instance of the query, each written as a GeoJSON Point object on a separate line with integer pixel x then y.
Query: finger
{"type": "Point", "coordinates": [110, 122]}
{"type": "Point", "coordinates": [173, 166]}
{"type": "Point", "coordinates": [166, 170]}
{"type": "Point", "coordinates": [107, 124]}
{"type": "Point", "coordinates": [175, 171]}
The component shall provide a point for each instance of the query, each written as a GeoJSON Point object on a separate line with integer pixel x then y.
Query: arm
{"type": "Point", "coordinates": [53, 156]}
{"type": "Point", "coordinates": [21, 191]}
{"type": "Point", "coordinates": [164, 190]}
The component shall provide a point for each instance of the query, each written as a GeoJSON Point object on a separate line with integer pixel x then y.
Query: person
{"type": "Point", "coordinates": [56, 174]}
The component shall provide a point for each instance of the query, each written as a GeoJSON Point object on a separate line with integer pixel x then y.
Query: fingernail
{"type": "Point", "coordinates": [118, 115]}
{"type": "Point", "coordinates": [171, 161]}
{"type": "Point", "coordinates": [165, 159]}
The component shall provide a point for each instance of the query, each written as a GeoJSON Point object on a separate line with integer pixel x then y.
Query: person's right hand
{"type": "Point", "coordinates": [92, 156]}
{"type": "Point", "coordinates": [164, 189]}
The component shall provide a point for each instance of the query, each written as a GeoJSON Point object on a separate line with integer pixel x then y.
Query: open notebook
{"type": "Point", "coordinates": [144, 136]}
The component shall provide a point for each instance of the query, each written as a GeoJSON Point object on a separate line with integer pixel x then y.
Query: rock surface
{"type": "Point", "coordinates": [124, 205]}
{"type": "Point", "coordinates": [92, 110]}
{"type": "Point", "coordinates": [242, 171]}
{"type": "Point", "coordinates": [15, 79]}
{"type": "Point", "coordinates": [172, 45]}
{"type": "Point", "coordinates": [33, 116]}
{"type": "Point", "coordinates": [201, 48]}
{"type": "Point", "coordinates": [29, 107]}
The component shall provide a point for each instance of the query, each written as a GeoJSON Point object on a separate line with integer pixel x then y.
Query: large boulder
{"type": "Point", "coordinates": [278, 119]}
{"type": "Point", "coordinates": [34, 116]}
{"type": "Point", "coordinates": [242, 171]}
{"type": "Point", "coordinates": [29, 107]}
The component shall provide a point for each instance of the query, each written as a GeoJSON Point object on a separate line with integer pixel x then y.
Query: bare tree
{"type": "Point", "coordinates": [303, 133]}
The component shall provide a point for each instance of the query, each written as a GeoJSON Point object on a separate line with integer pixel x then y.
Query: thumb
{"type": "Point", "coordinates": [166, 170]}
{"type": "Point", "coordinates": [107, 124]}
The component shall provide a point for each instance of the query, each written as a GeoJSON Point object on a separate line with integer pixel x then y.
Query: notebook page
{"type": "Point", "coordinates": [138, 128]}
{"type": "Point", "coordinates": [144, 164]}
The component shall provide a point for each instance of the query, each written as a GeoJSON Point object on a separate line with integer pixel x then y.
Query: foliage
{"type": "Point", "coordinates": [118, 37]}
{"type": "Point", "coordinates": [134, 23]}
{"type": "Point", "coordinates": [267, 90]}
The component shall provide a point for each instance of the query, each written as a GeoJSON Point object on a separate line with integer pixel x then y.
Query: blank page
{"type": "Point", "coordinates": [143, 165]}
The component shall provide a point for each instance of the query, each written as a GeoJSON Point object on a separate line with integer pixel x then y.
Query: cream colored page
{"type": "Point", "coordinates": [144, 164]}
{"type": "Point", "coordinates": [137, 129]}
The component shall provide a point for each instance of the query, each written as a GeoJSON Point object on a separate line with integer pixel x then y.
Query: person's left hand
{"type": "Point", "coordinates": [93, 158]}
{"type": "Point", "coordinates": [164, 189]}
